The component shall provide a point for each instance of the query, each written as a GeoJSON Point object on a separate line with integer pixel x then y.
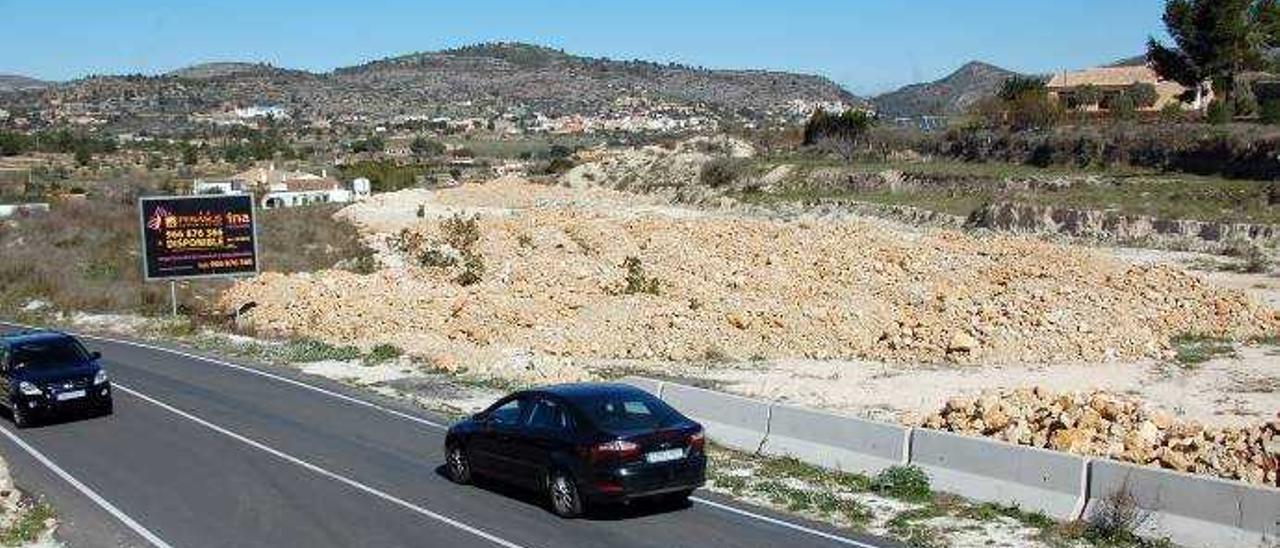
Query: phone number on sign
{"type": "Point", "coordinates": [224, 263]}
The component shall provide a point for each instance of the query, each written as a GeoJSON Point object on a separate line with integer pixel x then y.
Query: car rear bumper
{"type": "Point", "coordinates": [647, 480]}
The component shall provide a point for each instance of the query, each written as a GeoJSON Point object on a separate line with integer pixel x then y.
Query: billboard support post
{"type": "Point", "coordinates": [173, 298]}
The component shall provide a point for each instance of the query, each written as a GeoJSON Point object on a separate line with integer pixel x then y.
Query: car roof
{"type": "Point", "coordinates": [33, 336]}
{"type": "Point", "coordinates": [579, 391]}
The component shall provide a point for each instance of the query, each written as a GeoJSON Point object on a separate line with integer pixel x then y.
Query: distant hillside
{"type": "Point", "coordinates": [556, 82]}
{"type": "Point", "coordinates": [486, 80]}
{"type": "Point", "coordinates": [950, 95]}
{"type": "Point", "coordinates": [1135, 61]}
{"type": "Point", "coordinates": [14, 82]}
{"type": "Point", "coordinates": [205, 71]}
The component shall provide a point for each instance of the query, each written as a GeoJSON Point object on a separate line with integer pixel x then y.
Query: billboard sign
{"type": "Point", "coordinates": [198, 236]}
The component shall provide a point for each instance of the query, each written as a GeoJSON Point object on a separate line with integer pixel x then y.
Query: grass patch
{"type": "Point", "coordinates": [28, 526]}
{"type": "Point", "coordinates": [1192, 350]}
{"type": "Point", "coordinates": [383, 353]}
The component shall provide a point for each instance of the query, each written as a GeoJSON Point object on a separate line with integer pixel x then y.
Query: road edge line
{"type": "Point", "coordinates": [323, 471]}
{"type": "Point", "coordinates": [783, 523]}
{"type": "Point", "coordinates": [86, 491]}
{"type": "Point", "coordinates": [273, 376]}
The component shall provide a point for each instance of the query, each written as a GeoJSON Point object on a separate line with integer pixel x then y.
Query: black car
{"type": "Point", "coordinates": [582, 444]}
{"type": "Point", "coordinates": [47, 373]}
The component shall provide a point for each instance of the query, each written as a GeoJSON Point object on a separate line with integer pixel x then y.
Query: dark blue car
{"type": "Point", "coordinates": [581, 444]}
{"type": "Point", "coordinates": [47, 373]}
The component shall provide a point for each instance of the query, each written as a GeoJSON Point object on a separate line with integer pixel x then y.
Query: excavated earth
{"type": "Point", "coordinates": [737, 288]}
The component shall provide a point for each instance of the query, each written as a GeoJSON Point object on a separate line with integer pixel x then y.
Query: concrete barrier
{"type": "Point", "coordinates": [990, 471]}
{"type": "Point", "coordinates": [830, 441]}
{"type": "Point", "coordinates": [1189, 510]}
{"type": "Point", "coordinates": [648, 385]}
{"type": "Point", "coordinates": [732, 421]}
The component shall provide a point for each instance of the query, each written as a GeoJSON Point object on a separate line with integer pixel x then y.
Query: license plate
{"type": "Point", "coordinates": [664, 456]}
{"type": "Point", "coordinates": [72, 395]}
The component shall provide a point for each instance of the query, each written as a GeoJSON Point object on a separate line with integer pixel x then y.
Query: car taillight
{"type": "Point", "coordinates": [697, 441]}
{"type": "Point", "coordinates": [614, 450]}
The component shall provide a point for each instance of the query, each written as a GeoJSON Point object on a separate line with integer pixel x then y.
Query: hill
{"type": "Point", "coordinates": [485, 80]}
{"type": "Point", "coordinates": [15, 82]}
{"type": "Point", "coordinates": [950, 95]}
{"type": "Point", "coordinates": [204, 71]}
{"type": "Point", "coordinates": [558, 83]}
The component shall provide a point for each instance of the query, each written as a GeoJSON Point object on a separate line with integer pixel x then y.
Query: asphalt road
{"type": "Point", "coordinates": [205, 452]}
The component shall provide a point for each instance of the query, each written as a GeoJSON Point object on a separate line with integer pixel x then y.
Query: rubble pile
{"type": "Point", "coordinates": [732, 288]}
{"type": "Point", "coordinates": [1115, 426]}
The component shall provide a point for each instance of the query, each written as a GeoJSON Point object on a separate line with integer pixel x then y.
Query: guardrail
{"type": "Point", "coordinates": [1189, 510]}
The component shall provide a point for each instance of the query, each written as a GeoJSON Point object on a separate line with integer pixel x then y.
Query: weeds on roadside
{"type": "Point", "coordinates": [382, 353]}
{"type": "Point", "coordinates": [28, 526]}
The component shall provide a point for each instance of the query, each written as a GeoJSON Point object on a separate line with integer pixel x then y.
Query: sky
{"type": "Point", "coordinates": [868, 46]}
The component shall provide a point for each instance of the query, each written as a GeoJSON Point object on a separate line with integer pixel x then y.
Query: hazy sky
{"type": "Point", "coordinates": [867, 45]}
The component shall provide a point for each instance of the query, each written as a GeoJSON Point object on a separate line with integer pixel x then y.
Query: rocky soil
{"type": "Point", "coordinates": [1115, 426]}
{"type": "Point", "coordinates": [727, 288]}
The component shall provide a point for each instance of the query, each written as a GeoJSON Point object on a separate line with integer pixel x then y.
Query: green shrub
{"type": "Point", "coordinates": [908, 483]}
{"type": "Point", "coordinates": [1269, 112]}
{"type": "Point", "coordinates": [383, 353]}
{"type": "Point", "coordinates": [637, 281]}
{"type": "Point", "coordinates": [1220, 112]}
{"type": "Point", "coordinates": [311, 350]}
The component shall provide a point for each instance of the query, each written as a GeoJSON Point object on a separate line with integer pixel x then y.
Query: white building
{"type": "Point", "coordinates": [219, 186]}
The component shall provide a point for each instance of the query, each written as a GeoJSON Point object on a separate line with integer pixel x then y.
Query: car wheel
{"type": "Point", "coordinates": [106, 409]}
{"type": "Point", "coordinates": [565, 500]}
{"type": "Point", "coordinates": [458, 465]}
{"type": "Point", "coordinates": [21, 417]}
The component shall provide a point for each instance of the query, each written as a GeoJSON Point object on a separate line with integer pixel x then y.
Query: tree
{"type": "Point", "coordinates": [422, 146]}
{"type": "Point", "coordinates": [1021, 103]}
{"type": "Point", "coordinates": [1017, 86]}
{"type": "Point", "coordinates": [1088, 96]}
{"type": "Point", "coordinates": [838, 132]}
{"type": "Point", "coordinates": [1215, 41]}
{"type": "Point", "coordinates": [1143, 94]}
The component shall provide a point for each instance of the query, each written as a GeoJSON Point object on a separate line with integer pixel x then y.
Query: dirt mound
{"type": "Point", "coordinates": [556, 286]}
{"type": "Point", "coordinates": [1115, 426]}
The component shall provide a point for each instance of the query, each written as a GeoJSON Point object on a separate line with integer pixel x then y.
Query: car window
{"type": "Point", "coordinates": [508, 413]}
{"type": "Point", "coordinates": [48, 353]}
{"type": "Point", "coordinates": [629, 412]}
{"type": "Point", "coordinates": [549, 415]}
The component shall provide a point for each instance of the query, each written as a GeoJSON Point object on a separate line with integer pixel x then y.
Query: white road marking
{"type": "Point", "coordinates": [273, 376]}
{"type": "Point", "coordinates": [84, 489]}
{"type": "Point", "coordinates": [322, 471]}
{"type": "Point", "coordinates": [783, 523]}
{"type": "Point", "coordinates": [419, 420]}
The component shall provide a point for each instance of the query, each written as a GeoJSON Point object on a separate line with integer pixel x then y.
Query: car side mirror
{"type": "Point", "coordinates": [95, 355]}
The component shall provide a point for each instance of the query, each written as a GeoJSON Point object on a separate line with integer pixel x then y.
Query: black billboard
{"type": "Point", "coordinates": [198, 236]}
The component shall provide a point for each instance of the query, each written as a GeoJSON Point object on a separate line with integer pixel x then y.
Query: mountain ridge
{"type": "Point", "coordinates": [951, 94]}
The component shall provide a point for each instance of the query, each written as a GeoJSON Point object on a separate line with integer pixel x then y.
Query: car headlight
{"type": "Point", "coordinates": [29, 389]}
{"type": "Point", "coordinates": [101, 377]}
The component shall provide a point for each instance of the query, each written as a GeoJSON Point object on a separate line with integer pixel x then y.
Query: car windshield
{"type": "Point", "coordinates": [629, 412]}
{"type": "Point", "coordinates": [48, 353]}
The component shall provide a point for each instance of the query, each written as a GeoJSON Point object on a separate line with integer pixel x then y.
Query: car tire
{"type": "Point", "coordinates": [458, 464]}
{"type": "Point", "coordinates": [21, 418]}
{"type": "Point", "coordinates": [566, 501]}
{"type": "Point", "coordinates": [106, 409]}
